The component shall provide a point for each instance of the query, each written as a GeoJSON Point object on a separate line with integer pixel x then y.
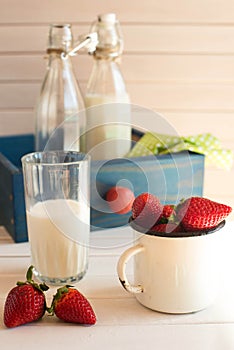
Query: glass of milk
{"type": "Point", "coordinates": [57, 196]}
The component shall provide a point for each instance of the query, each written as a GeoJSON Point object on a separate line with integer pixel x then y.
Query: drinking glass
{"type": "Point", "coordinates": [57, 186]}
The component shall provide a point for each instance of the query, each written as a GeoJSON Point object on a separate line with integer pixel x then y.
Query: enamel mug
{"type": "Point", "coordinates": [174, 274]}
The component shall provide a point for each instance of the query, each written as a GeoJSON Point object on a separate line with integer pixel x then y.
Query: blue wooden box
{"type": "Point", "coordinates": [12, 206]}
{"type": "Point", "coordinates": [170, 177]}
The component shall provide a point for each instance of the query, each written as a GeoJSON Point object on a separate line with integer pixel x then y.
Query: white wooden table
{"type": "Point", "coordinates": [122, 323]}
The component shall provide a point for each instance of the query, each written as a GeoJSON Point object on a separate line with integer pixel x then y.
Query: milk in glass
{"type": "Point", "coordinates": [59, 236]}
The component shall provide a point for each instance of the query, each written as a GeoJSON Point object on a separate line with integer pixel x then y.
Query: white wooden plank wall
{"type": "Point", "coordinates": [179, 61]}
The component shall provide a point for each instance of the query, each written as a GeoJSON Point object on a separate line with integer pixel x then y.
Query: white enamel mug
{"type": "Point", "coordinates": [174, 274]}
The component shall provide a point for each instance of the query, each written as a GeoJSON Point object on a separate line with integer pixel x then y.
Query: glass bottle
{"type": "Point", "coordinates": [108, 111]}
{"type": "Point", "coordinates": [59, 121]}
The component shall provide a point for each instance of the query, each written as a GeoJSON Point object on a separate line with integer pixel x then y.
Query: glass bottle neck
{"type": "Point", "coordinates": [60, 38]}
{"type": "Point", "coordinates": [110, 42]}
{"type": "Point", "coordinates": [55, 58]}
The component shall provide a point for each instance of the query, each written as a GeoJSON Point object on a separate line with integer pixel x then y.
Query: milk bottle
{"type": "Point", "coordinates": [108, 105]}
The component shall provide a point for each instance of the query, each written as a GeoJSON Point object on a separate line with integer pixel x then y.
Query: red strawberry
{"type": "Point", "coordinates": [167, 228]}
{"type": "Point", "coordinates": [120, 199]}
{"type": "Point", "coordinates": [25, 303]}
{"type": "Point", "coordinates": [199, 213]}
{"type": "Point", "coordinates": [71, 306]}
{"type": "Point", "coordinates": [146, 210]}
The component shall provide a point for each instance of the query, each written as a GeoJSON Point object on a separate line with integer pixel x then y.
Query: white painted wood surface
{"type": "Point", "coordinates": [178, 61]}
{"type": "Point", "coordinates": [122, 323]}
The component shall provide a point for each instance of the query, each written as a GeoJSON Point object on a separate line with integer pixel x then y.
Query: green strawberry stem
{"type": "Point", "coordinates": [41, 287]}
{"type": "Point", "coordinates": [57, 297]}
{"type": "Point", "coordinates": [29, 273]}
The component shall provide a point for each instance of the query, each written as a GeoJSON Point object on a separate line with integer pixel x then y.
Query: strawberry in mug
{"type": "Point", "coordinates": [190, 215]}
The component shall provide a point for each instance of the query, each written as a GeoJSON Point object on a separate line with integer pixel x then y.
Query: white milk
{"type": "Point", "coordinates": [109, 126]}
{"type": "Point", "coordinates": [59, 237]}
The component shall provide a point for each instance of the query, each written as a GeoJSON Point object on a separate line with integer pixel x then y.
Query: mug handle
{"type": "Point", "coordinates": [121, 268]}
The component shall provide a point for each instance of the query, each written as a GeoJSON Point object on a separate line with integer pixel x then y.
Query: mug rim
{"type": "Point", "coordinates": [184, 234]}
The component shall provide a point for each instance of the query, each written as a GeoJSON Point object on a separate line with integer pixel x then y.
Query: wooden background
{"type": "Point", "coordinates": [178, 61]}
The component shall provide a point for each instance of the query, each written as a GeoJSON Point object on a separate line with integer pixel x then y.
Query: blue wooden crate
{"type": "Point", "coordinates": [170, 177]}
{"type": "Point", "coordinates": [12, 206]}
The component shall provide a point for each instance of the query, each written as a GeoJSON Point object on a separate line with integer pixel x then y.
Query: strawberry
{"type": "Point", "coordinates": [70, 305]}
{"type": "Point", "coordinates": [25, 303]}
{"type": "Point", "coordinates": [197, 213]}
{"type": "Point", "coordinates": [146, 210]}
{"type": "Point", "coordinates": [167, 228]}
{"type": "Point", "coordinates": [120, 199]}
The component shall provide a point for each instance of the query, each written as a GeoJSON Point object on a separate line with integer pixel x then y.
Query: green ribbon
{"type": "Point", "coordinates": [207, 144]}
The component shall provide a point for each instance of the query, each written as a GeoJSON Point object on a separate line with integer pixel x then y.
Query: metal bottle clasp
{"type": "Point", "coordinates": [89, 41]}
